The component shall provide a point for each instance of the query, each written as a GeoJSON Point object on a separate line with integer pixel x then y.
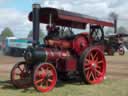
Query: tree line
{"type": "Point", "coordinates": [7, 32]}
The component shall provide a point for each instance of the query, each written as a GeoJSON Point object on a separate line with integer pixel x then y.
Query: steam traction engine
{"type": "Point", "coordinates": [115, 43]}
{"type": "Point", "coordinates": [63, 54]}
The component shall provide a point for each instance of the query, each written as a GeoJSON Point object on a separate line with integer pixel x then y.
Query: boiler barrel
{"type": "Point", "coordinates": [45, 55]}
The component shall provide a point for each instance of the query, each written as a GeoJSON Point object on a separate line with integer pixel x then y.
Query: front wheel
{"type": "Point", "coordinates": [20, 76]}
{"type": "Point", "coordinates": [93, 65]}
{"type": "Point", "coordinates": [44, 77]}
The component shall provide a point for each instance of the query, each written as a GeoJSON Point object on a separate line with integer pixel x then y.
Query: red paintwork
{"type": "Point", "coordinates": [71, 64]}
{"type": "Point", "coordinates": [69, 19]}
{"type": "Point", "coordinates": [75, 44]}
{"type": "Point", "coordinates": [45, 77]}
{"type": "Point", "coordinates": [80, 43]}
{"type": "Point", "coordinates": [84, 33]}
{"type": "Point", "coordinates": [65, 53]}
{"type": "Point", "coordinates": [67, 64]}
{"type": "Point", "coordinates": [63, 59]}
{"type": "Point", "coordinates": [64, 44]}
{"type": "Point", "coordinates": [86, 20]}
{"type": "Point", "coordinates": [53, 55]}
{"type": "Point", "coordinates": [94, 66]}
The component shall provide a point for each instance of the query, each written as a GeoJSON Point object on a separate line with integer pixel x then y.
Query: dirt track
{"type": "Point", "coordinates": [117, 66]}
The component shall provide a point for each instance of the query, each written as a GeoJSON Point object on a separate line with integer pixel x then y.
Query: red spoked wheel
{"type": "Point", "coordinates": [20, 76]}
{"type": "Point", "coordinates": [44, 77]}
{"type": "Point", "coordinates": [93, 65]}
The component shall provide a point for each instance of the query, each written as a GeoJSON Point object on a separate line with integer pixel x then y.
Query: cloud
{"type": "Point", "coordinates": [97, 8]}
{"type": "Point", "coordinates": [16, 20]}
{"type": "Point", "coordinates": [100, 8]}
{"type": "Point", "coordinates": [4, 1]}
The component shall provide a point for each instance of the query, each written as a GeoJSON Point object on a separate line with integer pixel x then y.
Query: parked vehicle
{"type": "Point", "coordinates": [114, 43]}
{"type": "Point", "coordinates": [6, 45]}
{"type": "Point", "coordinates": [15, 46]}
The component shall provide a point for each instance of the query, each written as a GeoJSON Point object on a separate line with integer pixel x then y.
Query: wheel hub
{"type": "Point", "coordinates": [43, 75]}
{"type": "Point", "coordinates": [93, 65]}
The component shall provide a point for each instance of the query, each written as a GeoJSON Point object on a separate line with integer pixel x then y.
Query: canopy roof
{"type": "Point", "coordinates": [68, 19]}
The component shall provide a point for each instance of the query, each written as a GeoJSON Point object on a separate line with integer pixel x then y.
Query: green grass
{"type": "Point", "coordinates": [107, 88]}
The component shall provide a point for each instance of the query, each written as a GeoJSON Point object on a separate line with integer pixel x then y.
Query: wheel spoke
{"type": "Point", "coordinates": [87, 60]}
{"type": "Point", "coordinates": [50, 74]}
{"type": "Point", "coordinates": [46, 83]}
{"type": "Point", "coordinates": [39, 81]}
{"type": "Point", "coordinates": [92, 58]}
{"type": "Point", "coordinates": [47, 70]}
{"type": "Point", "coordinates": [100, 74]}
{"type": "Point", "coordinates": [101, 61]}
{"type": "Point", "coordinates": [98, 67]}
{"type": "Point", "coordinates": [22, 70]}
{"type": "Point", "coordinates": [96, 59]}
{"type": "Point", "coordinates": [50, 80]}
{"type": "Point", "coordinates": [93, 76]}
{"type": "Point", "coordinates": [89, 73]}
{"type": "Point", "coordinates": [95, 55]}
{"type": "Point", "coordinates": [87, 68]}
{"type": "Point", "coordinates": [89, 56]}
{"type": "Point", "coordinates": [41, 69]}
{"type": "Point", "coordinates": [86, 65]}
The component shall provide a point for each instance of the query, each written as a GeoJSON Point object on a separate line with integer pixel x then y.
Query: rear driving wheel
{"type": "Point", "coordinates": [45, 77]}
{"type": "Point", "coordinates": [93, 65]}
{"type": "Point", "coordinates": [20, 76]}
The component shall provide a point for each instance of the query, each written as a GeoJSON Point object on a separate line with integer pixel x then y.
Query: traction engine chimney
{"type": "Point", "coordinates": [36, 24]}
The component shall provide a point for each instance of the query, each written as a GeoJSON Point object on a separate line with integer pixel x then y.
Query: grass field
{"type": "Point", "coordinates": [116, 83]}
{"type": "Point", "coordinates": [107, 88]}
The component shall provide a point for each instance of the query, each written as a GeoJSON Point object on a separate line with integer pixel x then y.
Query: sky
{"type": "Point", "coordinates": [14, 13]}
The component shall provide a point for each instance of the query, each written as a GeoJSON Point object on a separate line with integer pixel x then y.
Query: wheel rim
{"type": "Point", "coordinates": [20, 77]}
{"type": "Point", "coordinates": [45, 77]}
{"type": "Point", "coordinates": [94, 66]}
